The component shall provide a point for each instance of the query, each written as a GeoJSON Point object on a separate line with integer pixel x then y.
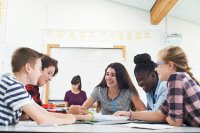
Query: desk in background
{"type": "Point", "coordinates": [55, 108]}
{"type": "Point", "coordinates": [58, 110]}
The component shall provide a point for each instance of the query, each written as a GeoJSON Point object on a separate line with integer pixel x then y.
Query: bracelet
{"type": "Point", "coordinates": [130, 115]}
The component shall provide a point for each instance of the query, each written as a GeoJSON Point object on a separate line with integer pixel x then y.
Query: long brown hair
{"type": "Point", "coordinates": [178, 56]}
{"type": "Point", "coordinates": [123, 80]}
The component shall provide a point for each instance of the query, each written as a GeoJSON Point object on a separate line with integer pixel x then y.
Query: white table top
{"type": "Point", "coordinates": [32, 127]}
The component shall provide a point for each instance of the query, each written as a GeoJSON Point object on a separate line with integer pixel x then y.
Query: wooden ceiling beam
{"type": "Point", "coordinates": [160, 10]}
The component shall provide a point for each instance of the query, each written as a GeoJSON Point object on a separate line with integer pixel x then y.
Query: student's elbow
{"type": "Point", "coordinates": [174, 122]}
{"type": "Point", "coordinates": [178, 124]}
{"type": "Point", "coordinates": [139, 105]}
{"type": "Point", "coordinates": [142, 106]}
{"type": "Point", "coordinates": [41, 121]}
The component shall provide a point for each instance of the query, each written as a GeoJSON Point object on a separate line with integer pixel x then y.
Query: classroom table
{"type": "Point", "coordinates": [20, 127]}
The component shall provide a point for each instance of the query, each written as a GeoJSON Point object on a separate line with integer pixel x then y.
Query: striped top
{"type": "Point", "coordinates": [12, 97]}
{"type": "Point", "coordinates": [183, 99]}
{"type": "Point", "coordinates": [121, 103]}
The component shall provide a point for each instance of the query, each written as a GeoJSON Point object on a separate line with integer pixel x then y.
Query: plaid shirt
{"type": "Point", "coordinates": [33, 90]}
{"type": "Point", "coordinates": [183, 99]}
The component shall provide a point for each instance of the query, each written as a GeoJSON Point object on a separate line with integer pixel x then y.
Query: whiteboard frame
{"type": "Point", "coordinates": [51, 46]}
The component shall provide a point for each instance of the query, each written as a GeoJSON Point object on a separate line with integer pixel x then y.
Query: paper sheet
{"type": "Point", "coordinates": [33, 124]}
{"type": "Point", "coordinates": [98, 117]}
{"type": "Point", "coordinates": [149, 126]}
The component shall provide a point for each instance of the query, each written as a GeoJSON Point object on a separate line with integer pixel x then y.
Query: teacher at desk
{"type": "Point", "coordinates": [115, 92]}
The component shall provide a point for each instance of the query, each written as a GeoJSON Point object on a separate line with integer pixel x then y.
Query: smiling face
{"type": "Point", "coordinates": [164, 69]}
{"type": "Point", "coordinates": [46, 76]}
{"type": "Point", "coordinates": [146, 80]}
{"type": "Point", "coordinates": [170, 60]}
{"type": "Point", "coordinates": [110, 78]}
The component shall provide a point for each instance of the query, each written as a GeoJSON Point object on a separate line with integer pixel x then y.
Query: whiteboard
{"type": "Point", "coordinates": [89, 63]}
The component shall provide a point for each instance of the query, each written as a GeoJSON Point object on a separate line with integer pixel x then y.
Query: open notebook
{"type": "Point", "coordinates": [111, 120]}
{"type": "Point", "coordinates": [98, 117]}
{"type": "Point", "coordinates": [106, 120]}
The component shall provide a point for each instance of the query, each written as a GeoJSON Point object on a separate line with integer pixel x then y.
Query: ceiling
{"type": "Point", "coordinates": [188, 10]}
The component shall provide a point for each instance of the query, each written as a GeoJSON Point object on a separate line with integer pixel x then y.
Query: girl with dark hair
{"type": "Point", "coordinates": [75, 96]}
{"type": "Point", "coordinates": [147, 78]}
{"type": "Point", "coordinates": [115, 92]}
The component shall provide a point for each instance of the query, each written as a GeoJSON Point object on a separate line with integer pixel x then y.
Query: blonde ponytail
{"type": "Point", "coordinates": [191, 75]}
{"type": "Point", "coordinates": [178, 56]}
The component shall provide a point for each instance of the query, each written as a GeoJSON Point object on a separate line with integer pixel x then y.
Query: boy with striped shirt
{"type": "Point", "coordinates": [26, 68]}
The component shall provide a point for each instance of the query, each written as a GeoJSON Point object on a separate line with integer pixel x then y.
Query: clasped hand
{"type": "Point", "coordinates": [78, 110]}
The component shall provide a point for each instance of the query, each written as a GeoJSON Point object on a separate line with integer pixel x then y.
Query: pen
{"type": "Point", "coordinates": [114, 105]}
{"type": "Point", "coordinates": [89, 112]}
{"type": "Point", "coordinates": [93, 119]}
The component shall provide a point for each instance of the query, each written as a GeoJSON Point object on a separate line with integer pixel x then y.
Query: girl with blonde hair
{"type": "Point", "coordinates": [182, 105]}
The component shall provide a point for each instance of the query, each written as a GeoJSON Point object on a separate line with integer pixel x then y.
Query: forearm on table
{"type": "Point", "coordinates": [157, 116]}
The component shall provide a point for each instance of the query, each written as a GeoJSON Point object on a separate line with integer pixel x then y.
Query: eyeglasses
{"type": "Point", "coordinates": [160, 63]}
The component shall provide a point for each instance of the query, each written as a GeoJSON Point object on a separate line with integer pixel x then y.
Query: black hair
{"type": "Point", "coordinates": [76, 80]}
{"type": "Point", "coordinates": [144, 63]}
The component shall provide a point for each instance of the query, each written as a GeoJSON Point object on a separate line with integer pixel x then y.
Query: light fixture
{"type": "Point", "coordinates": [174, 39]}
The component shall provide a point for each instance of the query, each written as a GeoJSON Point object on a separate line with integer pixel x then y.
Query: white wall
{"type": "Point", "coordinates": [25, 22]}
{"type": "Point", "coordinates": [28, 20]}
{"type": "Point", "coordinates": [191, 41]}
{"type": "Point", "coordinates": [96, 15]}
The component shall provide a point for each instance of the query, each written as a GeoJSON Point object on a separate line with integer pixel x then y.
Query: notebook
{"type": "Point", "coordinates": [106, 120]}
{"type": "Point", "coordinates": [99, 117]}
